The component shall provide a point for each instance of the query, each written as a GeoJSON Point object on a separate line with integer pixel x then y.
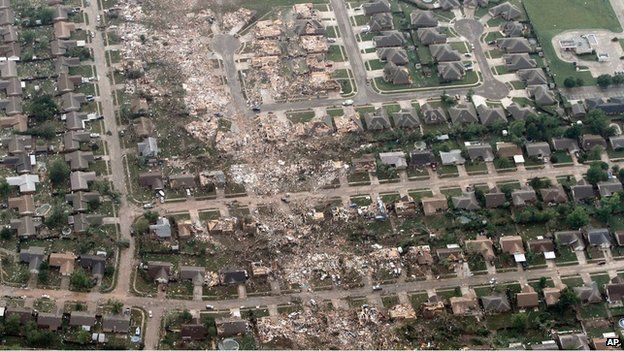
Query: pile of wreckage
{"type": "Point", "coordinates": [289, 56]}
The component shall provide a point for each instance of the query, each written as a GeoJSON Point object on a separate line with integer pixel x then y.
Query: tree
{"type": "Point", "coordinates": [141, 226]}
{"type": "Point", "coordinates": [151, 216]}
{"type": "Point", "coordinates": [59, 172]}
{"type": "Point", "coordinates": [577, 218]}
{"type": "Point", "coordinates": [116, 306]}
{"type": "Point", "coordinates": [598, 123]}
{"type": "Point", "coordinates": [519, 321]}
{"type": "Point", "coordinates": [603, 80]}
{"type": "Point", "coordinates": [12, 325]}
{"type": "Point", "coordinates": [542, 283]}
{"type": "Point", "coordinates": [580, 82]}
{"type": "Point", "coordinates": [83, 337]}
{"type": "Point", "coordinates": [6, 233]}
{"type": "Point", "coordinates": [57, 218]}
{"type": "Point", "coordinates": [569, 82]}
{"type": "Point", "coordinates": [567, 299]}
{"type": "Point", "coordinates": [447, 100]}
{"type": "Point", "coordinates": [42, 108]}
{"type": "Point", "coordinates": [79, 280]}
{"type": "Point", "coordinates": [617, 79]}
{"type": "Point", "coordinates": [186, 316]}
{"type": "Point", "coordinates": [539, 183]}
{"type": "Point", "coordinates": [45, 15]}
{"type": "Point", "coordinates": [5, 188]}
{"type": "Point", "coordinates": [574, 132]}
{"type": "Point", "coordinates": [596, 173]}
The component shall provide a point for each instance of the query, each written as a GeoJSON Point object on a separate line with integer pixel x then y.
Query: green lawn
{"type": "Point", "coordinates": [552, 17]}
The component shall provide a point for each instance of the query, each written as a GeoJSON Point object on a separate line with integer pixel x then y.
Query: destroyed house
{"type": "Point", "coordinates": [193, 331]}
{"type": "Point", "coordinates": [464, 305]}
{"type": "Point", "coordinates": [143, 127]}
{"type": "Point", "coordinates": [481, 245]}
{"type": "Point", "coordinates": [452, 254]}
{"type": "Point", "coordinates": [423, 19]}
{"type": "Point", "coordinates": [308, 27]}
{"type": "Point", "coordinates": [421, 158]}
{"type": "Point", "coordinates": [159, 271]}
{"type": "Point", "coordinates": [433, 205]}
{"type": "Point", "coordinates": [231, 326]}
{"type": "Point", "coordinates": [24, 314]}
{"type": "Point", "coordinates": [233, 276]}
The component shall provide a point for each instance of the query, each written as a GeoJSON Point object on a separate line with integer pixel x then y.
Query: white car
{"type": "Point", "coordinates": [94, 135]}
{"type": "Point", "coordinates": [149, 313]}
{"type": "Point", "coordinates": [347, 102]}
{"type": "Point", "coordinates": [210, 307]}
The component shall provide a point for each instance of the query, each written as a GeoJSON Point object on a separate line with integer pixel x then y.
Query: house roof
{"type": "Point", "coordinates": [378, 120]}
{"type": "Point", "coordinates": [573, 342]}
{"type": "Point", "coordinates": [532, 76]}
{"type": "Point", "coordinates": [588, 293]}
{"type": "Point", "coordinates": [115, 323]}
{"type": "Point", "coordinates": [396, 159]}
{"type": "Point", "coordinates": [396, 74]}
{"type": "Point", "coordinates": [389, 39]}
{"type": "Point", "coordinates": [565, 144]}
{"type": "Point", "coordinates": [582, 191]}
{"type": "Point", "coordinates": [95, 263]}
{"type": "Point", "coordinates": [52, 321]}
{"type": "Point", "coordinates": [24, 204]}
{"type": "Point", "coordinates": [432, 115]}
{"type": "Point", "coordinates": [237, 276]}
{"type": "Point", "coordinates": [542, 95]}
{"type": "Point", "coordinates": [527, 297]}
{"type": "Point", "coordinates": [405, 119]}
{"type": "Point", "coordinates": [162, 228]}
{"type": "Point", "coordinates": [522, 197]}
{"type": "Point", "coordinates": [475, 3]}
{"type": "Point", "coordinates": [34, 256]}
{"type": "Point", "coordinates": [590, 141]}
{"type": "Point", "coordinates": [376, 6]}
{"type": "Point", "coordinates": [505, 10]}
{"type": "Point", "coordinates": [80, 180]}
{"type": "Point", "coordinates": [148, 147]}
{"type": "Point", "coordinates": [181, 181]}
{"type": "Point", "coordinates": [451, 71]}
{"type": "Point", "coordinates": [615, 290]}
{"type": "Point", "coordinates": [159, 271]}
{"type": "Point", "coordinates": [432, 205]}
{"type": "Point", "coordinates": [462, 114]}
{"type": "Point", "coordinates": [380, 21]}
{"type": "Point", "coordinates": [444, 53]}
{"type": "Point", "coordinates": [72, 140]}
{"type": "Point", "coordinates": [551, 295]}
{"type": "Point", "coordinates": [513, 29]}
{"type": "Point", "coordinates": [195, 274]}
{"type": "Point", "coordinates": [79, 160]}
{"type": "Point", "coordinates": [231, 326]}
{"type": "Point", "coordinates": [80, 200]}
{"type": "Point", "coordinates": [452, 157]}
{"type": "Point", "coordinates": [153, 180]}
{"type": "Point", "coordinates": [467, 201]}
{"type": "Point", "coordinates": [514, 45]}
{"type": "Point", "coordinates": [82, 222]}
{"type": "Point", "coordinates": [515, 62]}
{"type": "Point", "coordinates": [449, 4]}
{"type": "Point", "coordinates": [541, 245]}
{"type": "Point", "coordinates": [578, 110]}
{"type": "Point", "coordinates": [430, 35]}
{"type": "Point", "coordinates": [193, 331]}
{"type": "Point", "coordinates": [398, 56]}
{"type": "Point", "coordinates": [480, 152]}
{"type": "Point", "coordinates": [26, 226]}
{"type": "Point", "coordinates": [422, 19]}
{"type": "Point", "coordinates": [481, 245]}
{"type": "Point", "coordinates": [79, 318]}
{"type": "Point", "coordinates": [495, 198]}
{"type": "Point", "coordinates": [610, 187]}
{"type": "Point", "coordinates": [505, 149]}
{"type": "Point", "coordinates": [65, 261]}
{"type": "Point", "coordinates": [465, 304]}
{"type": "Point", "coordinates": [570, 238]}
{"type": "Point", "coordinates": [538, 149]}
{"type": "Point", "coordinates": [598, 237]}
{"type": "Point", "coordinates": [495, 303]}
{"type": "Point", "coordinates": [554, 195]}
{"type": "Point", "coordinates": [511, 244]}
{"type": "Point", "coordinates": [490, 115]}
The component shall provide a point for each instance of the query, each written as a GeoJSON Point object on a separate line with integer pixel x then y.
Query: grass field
{"type": "Point", "coordinates": [552, 17]}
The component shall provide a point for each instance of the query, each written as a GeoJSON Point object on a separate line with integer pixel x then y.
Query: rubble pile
{"type": "Point", "coordinates": [180, 40]}
{"type": "Point", "coordinates": [366, 328]}
{"type": "Point", "coordinates": [236, 19]}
